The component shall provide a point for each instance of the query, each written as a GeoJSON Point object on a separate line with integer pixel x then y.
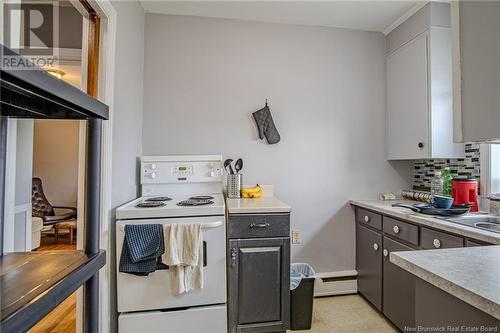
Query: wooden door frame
{"type": "Point", "coordinates": [103, 89]}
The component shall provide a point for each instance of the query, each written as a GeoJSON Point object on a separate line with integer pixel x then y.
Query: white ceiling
{"type": "Point", "coordinates": [359, 15]}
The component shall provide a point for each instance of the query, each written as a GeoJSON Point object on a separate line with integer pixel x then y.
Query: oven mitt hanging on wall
{"type": "Point", "coordinates": [265, 125]}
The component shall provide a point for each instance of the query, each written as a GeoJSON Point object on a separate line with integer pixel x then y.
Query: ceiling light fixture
{"type": "Point", "coordinates": [55, 72]}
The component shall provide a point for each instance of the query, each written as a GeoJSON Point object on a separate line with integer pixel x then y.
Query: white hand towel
{"type": "Point", "coordinates": [184, 255]}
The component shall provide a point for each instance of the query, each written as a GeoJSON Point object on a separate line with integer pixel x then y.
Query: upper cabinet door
{"type": "Point", "coordinates": [476, 70]}
{"type": "Point", "coordinates": [407, 101]}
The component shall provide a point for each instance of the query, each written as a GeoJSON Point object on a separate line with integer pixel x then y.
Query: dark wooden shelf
{"type": "Point", "coordinates": [32, 284]}
{"type": "Point", "coordinates": [34, 93]}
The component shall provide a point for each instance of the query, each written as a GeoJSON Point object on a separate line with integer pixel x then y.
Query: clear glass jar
{"type": "Point", "coordinates": [437, 184]}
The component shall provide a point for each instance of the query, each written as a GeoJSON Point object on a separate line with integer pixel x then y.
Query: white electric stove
{"type": "Point", "coordinates": [178, 205]}
{"type": "Point", "coordinates": [176, 189]}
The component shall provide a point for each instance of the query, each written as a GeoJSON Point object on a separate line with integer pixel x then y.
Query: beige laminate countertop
{"type": "Point", "coordinates": [259, 205]}
{"type": "Point", "coordinates": [470, 273]}
{"type": "Point", "coordinates": [385, 207]}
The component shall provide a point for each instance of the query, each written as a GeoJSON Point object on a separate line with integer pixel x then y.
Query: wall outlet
{"type": "Point", "coordinates": [295, 236]}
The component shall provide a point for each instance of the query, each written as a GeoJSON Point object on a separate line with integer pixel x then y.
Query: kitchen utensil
{"type": "Point", "coordinates": [228, 167]}
{"type": "Point", "coordinates": [238, 165]}
{"type": "Point", "coordinates": [429, 209]}
{"type": "Point", "coordinates": [464, 191]}
{"type": "Point", "coordinates": [440, 201]}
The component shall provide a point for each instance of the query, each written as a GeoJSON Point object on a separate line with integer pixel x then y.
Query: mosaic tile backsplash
{"type": "Point", "coordinates": [460, 167]}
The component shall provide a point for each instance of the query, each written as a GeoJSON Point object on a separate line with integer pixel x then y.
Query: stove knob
{"type": "Point", "coordinates": [153, 175]}
{"type": "Point", "coordinates": [153, 166]}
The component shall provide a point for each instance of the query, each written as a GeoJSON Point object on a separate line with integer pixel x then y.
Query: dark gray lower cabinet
{"type": "Point", "coordinates": [399, 289]}
{"type": "Point", "coordinates": [258, 284]}
{"type": "Point", "coordinates": [404, 299]}
{"type": "Point", "coordinates": [437, 308]}
{"type": "Point", "coordinates": [369, 264]}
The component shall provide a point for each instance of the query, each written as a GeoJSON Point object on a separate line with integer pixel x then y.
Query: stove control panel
{"type": "Point", "coordinates": [168, 172]}
{"type": "Point", "coordinates": [182, 170]}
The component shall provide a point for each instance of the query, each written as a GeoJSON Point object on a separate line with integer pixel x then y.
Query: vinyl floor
{"type": "Point", "coordinates": [347, 314]}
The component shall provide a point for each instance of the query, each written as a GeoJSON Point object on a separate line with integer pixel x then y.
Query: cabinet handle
{"type": "Point", "coordinates": [367, 218]}
{"type": "Point", "coordinates": [385, 252]}
{"type": "Point", "coordinates": [421, 145]}
{"type": "Point", "coordinates": [395, 229]}
{"type": "Point", "coordinates": [259, 225]}
{"type": "Point", "coordinates": [437, 243]}
{"type": "Point", "coordinates": [233, 256]}
{"type": "Point", "coordinates": [375, 246]}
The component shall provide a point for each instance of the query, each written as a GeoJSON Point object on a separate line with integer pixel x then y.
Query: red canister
{"type": "Point", "coordinates": [464, 192]}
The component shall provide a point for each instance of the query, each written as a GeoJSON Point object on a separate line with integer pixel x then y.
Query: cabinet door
{"type": "Point", "coordinates": [399, 289]}
{"type": "Point", "coordinates": [369, 264]}
{"type": "Point", "coordinates": [407, 101]}
{"type": "Point", "coordinates": [476, 77]}
{"type": "Point", "coordinates": [259, 284]}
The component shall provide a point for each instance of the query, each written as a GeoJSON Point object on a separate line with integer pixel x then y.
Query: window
{"type": "Point", "coordinates": [494, 181]}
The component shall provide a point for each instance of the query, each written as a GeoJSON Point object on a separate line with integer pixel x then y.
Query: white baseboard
{"type": "Point", "coordinates": [341, 283]}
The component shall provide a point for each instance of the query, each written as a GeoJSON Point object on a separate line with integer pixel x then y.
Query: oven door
{"type": "Point", "coordinates": [152, 292]}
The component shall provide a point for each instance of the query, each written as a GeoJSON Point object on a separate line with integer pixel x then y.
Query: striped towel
{"type": "Point", "coordinates": [142, 246]}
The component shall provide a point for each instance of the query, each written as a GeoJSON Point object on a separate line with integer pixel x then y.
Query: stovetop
{"type": "Point", "coordinates": [177, 206]}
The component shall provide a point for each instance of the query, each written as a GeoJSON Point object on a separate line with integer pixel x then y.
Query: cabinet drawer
{"type": "Point", "coordinates": [402, 230]}
{"type": "Point", "coordinates": [258, 225]}
{"type": "Point", "coordinates": [432, 239]}
{"type": "Point", "coordinates": [369, 218]}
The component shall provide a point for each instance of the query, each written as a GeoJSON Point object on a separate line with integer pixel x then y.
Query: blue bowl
{"type": "Point", "coordinates": [442, 202]}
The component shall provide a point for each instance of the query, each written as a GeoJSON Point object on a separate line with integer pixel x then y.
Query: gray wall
{"type": "Point", "coordinates": [24, 161]}
{"type": "Point", "coordinates": [127, 108]}
{"type": "Point", "coordinates": [55, 159]}
{"type": "Point", "coordinates": [127, 122]}
{"type": "Point", "coordinates": [326, 88]}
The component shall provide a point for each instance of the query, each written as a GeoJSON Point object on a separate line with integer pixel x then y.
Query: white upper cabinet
{"type": "Point", "coordinates": [407, 101]}
{"type": "Point", "coordinates": [476, 70]}
{"type": "Point", "coordinates": [419, 87]}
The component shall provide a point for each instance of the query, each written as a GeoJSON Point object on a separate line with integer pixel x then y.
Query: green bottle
{"type": "Point", "coordinates": [447, 180]}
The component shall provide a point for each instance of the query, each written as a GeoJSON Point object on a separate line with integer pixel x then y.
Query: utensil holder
{"type": "Point", "coordinates": [234, 185]}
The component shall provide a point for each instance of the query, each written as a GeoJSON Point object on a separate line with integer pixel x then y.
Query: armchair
{"type": "Point", "coordinates": [51, 215]}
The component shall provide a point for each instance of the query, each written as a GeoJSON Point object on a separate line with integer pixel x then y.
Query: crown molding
{"type": "Point", "coordinates": [419, 5]}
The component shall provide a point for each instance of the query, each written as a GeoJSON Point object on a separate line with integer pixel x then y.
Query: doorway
{"type": "Point", "coordinates": [91, 54]}
{"type": "Point", "coordinates": [59, 150]}
{"type": "Point", "coordinates": [56, 164]}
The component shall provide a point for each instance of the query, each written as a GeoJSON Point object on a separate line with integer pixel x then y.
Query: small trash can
{"type": "Point", "coordinates": [302, 278]}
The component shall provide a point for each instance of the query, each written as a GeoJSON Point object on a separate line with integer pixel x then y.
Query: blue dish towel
{"type": "Point", "coordinates": [142, 246]}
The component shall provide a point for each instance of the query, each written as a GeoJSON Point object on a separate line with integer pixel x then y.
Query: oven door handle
{"type": "Point", "coordinates": [209, 225]}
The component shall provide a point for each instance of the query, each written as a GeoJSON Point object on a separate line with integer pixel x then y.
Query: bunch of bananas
{"type": "Point", "coordinates": [251, 192]}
